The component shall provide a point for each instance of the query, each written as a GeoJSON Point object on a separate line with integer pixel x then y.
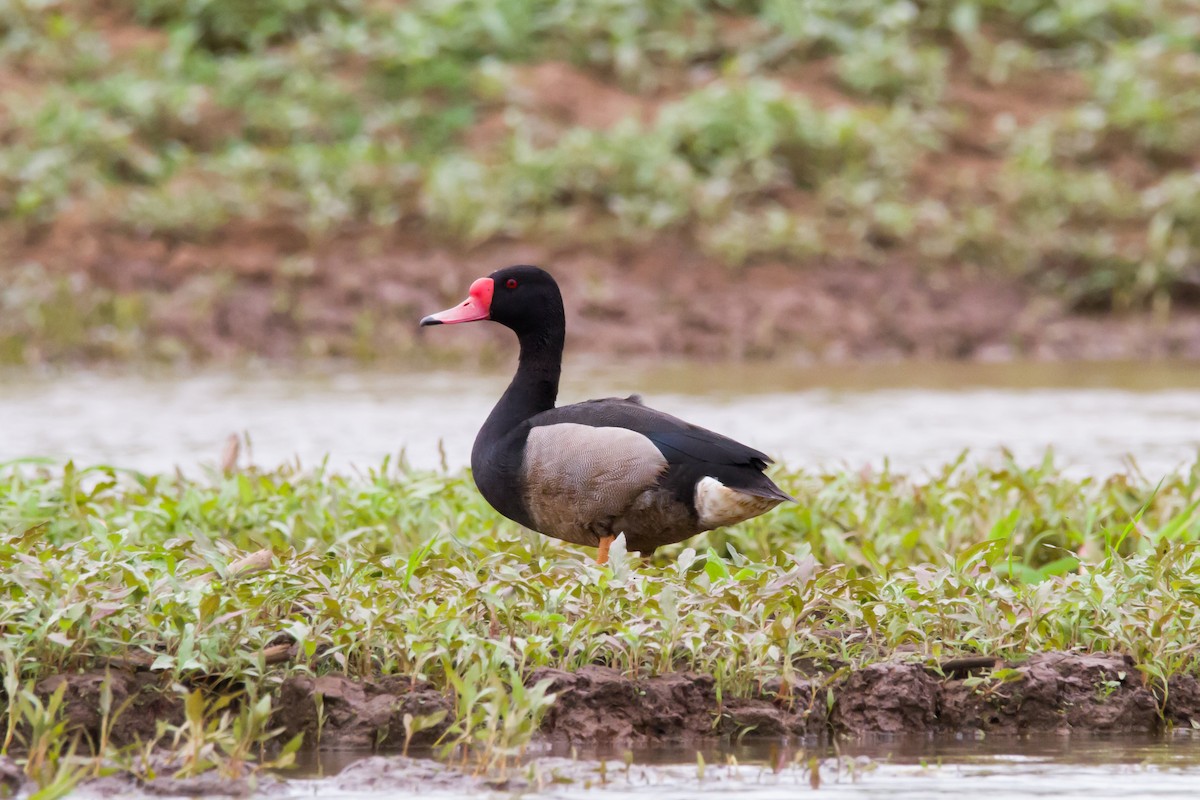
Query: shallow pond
{"type": "Point", "coordinates": [915, 416]}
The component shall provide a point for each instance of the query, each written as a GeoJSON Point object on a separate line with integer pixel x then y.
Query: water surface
{"type": "Point", "coordinates": [1094, 417]}
{"type": "Point", "coordinates": [1133, 768]}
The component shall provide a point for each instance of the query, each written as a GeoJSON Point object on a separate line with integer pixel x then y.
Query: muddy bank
{"type": "Point", "coordinates": [1051, 693]}
{"type": "Point", "coordinates": [384, 775]}
{"type": "Point", "coordinates": [261, 290]}
{"type": "Point", "coordinates": [1047, 693]}
{"type": "Point", "coordinates": [392, 776]}
{"type": "Point", "coordinates": [337, 713]}
{"type": "Point", "coordinates": [209, 784]}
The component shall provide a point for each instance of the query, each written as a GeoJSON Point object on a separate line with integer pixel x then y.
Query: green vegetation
{"type": "Point", "coordinates": [1052, 141]}
{"type": "Point", "coordinates": [409, 573]}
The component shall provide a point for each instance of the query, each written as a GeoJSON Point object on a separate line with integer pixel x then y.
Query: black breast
{"type": "Point", "coordinates": [496, 468]}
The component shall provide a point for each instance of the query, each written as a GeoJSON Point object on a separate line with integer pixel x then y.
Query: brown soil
{"type": "Point", "coordinates": [574, 97]}
{"type": "Point", "coordinates": [599, 705]}
{"type": "Point", "coordinates": [358, 296]}
{"type": "Point", "coordinates": [12, 778]}
{"type": "Point", "coordinates": [208, 784]}
{"type": "Point", "coordinates": [400, 775]}
{"type": "Point", "coordinates": [144, 693]}
{"type": "Point", "coordinates": [358, 715]}
{"type": "Point", "coordinates": [1056, 693]}
{"type": "Point", "coordinates": [1047, 693]}
{"type": "Point", "coordinates": [1050, 693]}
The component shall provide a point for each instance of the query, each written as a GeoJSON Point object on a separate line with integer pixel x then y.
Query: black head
{"type": "Point", "coordinates": [522, 297]}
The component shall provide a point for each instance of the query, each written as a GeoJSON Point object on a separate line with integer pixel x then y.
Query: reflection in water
{"type": "Point", "coordinates": [912, 416]}
{"type": "Point", "coordinates": [991, 767]}
{"type": "Point", "coordinates": [1173, 749]}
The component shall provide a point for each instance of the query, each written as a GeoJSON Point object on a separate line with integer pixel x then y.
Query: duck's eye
{"type": "Point", "coordinates": [511, 283]}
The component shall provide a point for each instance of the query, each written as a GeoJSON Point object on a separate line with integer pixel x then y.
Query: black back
{"type": "Point", "coordinates": [691, 451]}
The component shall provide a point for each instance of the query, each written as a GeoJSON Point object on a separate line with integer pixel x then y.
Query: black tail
{"type": "Point", "coordinates": [764, 487]}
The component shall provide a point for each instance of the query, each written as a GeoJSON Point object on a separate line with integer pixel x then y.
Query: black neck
{"type": "Point", "coordinates": [534, 388]}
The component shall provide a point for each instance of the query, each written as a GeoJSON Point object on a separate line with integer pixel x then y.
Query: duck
{"type": "Point", "coordinates": [589, 472]}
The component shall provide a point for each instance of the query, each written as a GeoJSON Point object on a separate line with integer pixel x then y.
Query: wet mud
{"type": "Point", "coordinates": [337, 713]}
{"type": "Point", "coordinates": [1046, 693]}
{"type": "Point", "coordinates": [143, 696]}
{"type": "Point", "coordinates": [599, 704]}
{"type": "Point", "coordinates": [209, 784]}
{"type": "Point", "coordinates": [402, 776]}
{"type": "Point", "coordinates": [397, 775]}
{"type": "Point", "coordinates": [12, 777]}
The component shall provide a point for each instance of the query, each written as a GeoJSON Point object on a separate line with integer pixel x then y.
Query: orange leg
{"type": "Point", "coordinates": [602, 552]}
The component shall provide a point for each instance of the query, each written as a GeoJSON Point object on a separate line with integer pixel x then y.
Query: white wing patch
{"type": "Point", "coordinates": [717, 505]}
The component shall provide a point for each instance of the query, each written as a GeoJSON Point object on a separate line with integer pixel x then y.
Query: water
{"type": "Point", "coordinates": [915, 767]}
{"type": "Point", "coordinates": [1095, 417]}
{"type": "Point", "coordinates": [992, 768]}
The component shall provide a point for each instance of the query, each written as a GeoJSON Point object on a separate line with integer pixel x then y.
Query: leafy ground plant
{"type": "Point", "coordinates": [404, 573]}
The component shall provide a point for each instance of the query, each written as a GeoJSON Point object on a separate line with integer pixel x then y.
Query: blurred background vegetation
{"type": "Point", "coordinates": [211, 178]}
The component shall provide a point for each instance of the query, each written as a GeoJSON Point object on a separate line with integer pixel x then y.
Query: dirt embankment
{"type": "Point", "coordinates": [1052, 692]}
{"type": "Point", "coordinates": [1047, 693]}
{"type": "Point", "coordinates": [361, 296]}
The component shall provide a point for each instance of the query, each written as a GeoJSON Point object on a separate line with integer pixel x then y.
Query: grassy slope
{"type": "Point", "coordinates": [149, 148]}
